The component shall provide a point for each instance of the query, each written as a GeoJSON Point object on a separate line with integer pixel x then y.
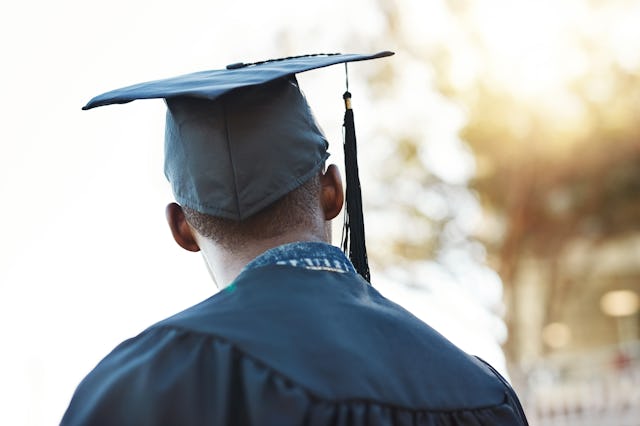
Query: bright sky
{"type": "Point", "coordinates": [86, 259]}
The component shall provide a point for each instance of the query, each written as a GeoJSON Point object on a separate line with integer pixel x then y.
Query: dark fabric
{"type": "Point", "coordinates": [288, 346]}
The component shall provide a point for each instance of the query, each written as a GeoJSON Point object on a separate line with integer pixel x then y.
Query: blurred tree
{"type": "Point", "coordinates": [551, 98]}
{"type": "Point", "coordinates": [555, 166]}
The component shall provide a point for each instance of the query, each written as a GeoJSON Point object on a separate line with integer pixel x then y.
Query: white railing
{"type": "Point", "coordinates": [599, 388]}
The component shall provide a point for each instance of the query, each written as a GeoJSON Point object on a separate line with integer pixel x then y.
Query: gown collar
{"type": "Point", "coordinates": [307, 255]}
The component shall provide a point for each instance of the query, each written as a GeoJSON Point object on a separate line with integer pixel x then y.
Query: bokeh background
{"type": "Point", "coordinates": [500, 161]}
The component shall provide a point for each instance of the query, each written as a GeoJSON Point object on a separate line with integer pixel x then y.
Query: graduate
{"type": "Point", "coordinates": [297, 335]}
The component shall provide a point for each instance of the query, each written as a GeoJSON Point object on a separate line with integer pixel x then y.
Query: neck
{"type": "Point", "coordinates": [225, 264]}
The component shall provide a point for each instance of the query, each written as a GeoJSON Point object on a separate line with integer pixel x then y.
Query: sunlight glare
{"type": "Point", "coordinates": [530, 44]}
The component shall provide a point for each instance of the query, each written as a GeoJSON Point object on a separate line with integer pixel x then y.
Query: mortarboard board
{"type": "Point", "coordinates": [238, 139]}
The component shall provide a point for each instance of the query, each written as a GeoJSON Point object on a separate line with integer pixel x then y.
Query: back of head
{"type": "Point", "coordinates": [296, 212]}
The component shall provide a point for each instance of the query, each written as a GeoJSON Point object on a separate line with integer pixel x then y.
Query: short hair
{"type": "Point", "coordinates": [294, 210]}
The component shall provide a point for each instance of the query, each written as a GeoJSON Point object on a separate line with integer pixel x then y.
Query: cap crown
{"type": "Point", "coordinates": [235, 155]}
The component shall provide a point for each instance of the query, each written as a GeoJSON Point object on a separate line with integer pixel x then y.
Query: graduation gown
{"type": "Point", "coordinates": [285, 345]}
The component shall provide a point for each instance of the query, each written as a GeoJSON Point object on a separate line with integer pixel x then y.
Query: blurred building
{"type": "Point", "coordinates": [575, 346]}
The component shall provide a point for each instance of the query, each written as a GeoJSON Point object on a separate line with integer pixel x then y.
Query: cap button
{"type": "Point", "coordinates": [236, 66]}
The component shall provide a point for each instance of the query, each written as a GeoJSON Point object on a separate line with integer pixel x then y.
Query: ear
{"type": "Point", "coordinates": [331, 193]}
{"type": "Point", "coordinates": [180, 229]}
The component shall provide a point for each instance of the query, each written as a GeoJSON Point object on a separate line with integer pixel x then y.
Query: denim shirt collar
{"type": "Point", "coordinates": [308, 255]}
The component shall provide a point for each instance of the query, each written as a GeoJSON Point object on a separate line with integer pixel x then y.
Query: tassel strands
{"type": "Point", "coordinates": [353, 239]}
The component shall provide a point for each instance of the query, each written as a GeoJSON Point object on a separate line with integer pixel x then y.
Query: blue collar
{"type": "Point", "coordinates": [308, 255]}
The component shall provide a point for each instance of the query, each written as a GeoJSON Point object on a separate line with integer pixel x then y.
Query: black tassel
{"type": "Point", "coordinates": [353, 231]}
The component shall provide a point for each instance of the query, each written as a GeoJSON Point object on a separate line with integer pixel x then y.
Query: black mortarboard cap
{"type": "Point", "coordinates": [239, 138]}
